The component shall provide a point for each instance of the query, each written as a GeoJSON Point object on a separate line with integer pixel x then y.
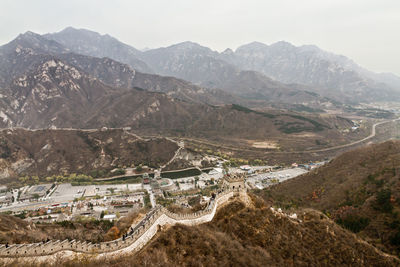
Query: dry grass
{"type": "Point", "coordinates": [15, 231]}
{"type": "Point", "coordinates": [347, 188]}
{"type": "Point", "coordinates": [265, 144]}
{"type": "Point", "coordinates": [242, 236]}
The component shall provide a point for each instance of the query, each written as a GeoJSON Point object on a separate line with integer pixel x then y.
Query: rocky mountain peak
{"type": "Point", "coordinates": [189, 47]}
{"type": "Point", "coordinates": [72, 30]}
{"type": "Point", "coordinates": [186, 45]}
{"type": "Point", "coordinates": [283, 46]}
{"type": "Point", "coordinates": [51, 78]}
{"type": "Point", "coordinates": [228, 52]}
{"type": "Point", "coordinates": [35, 43]}
{"type": "Point", "coordinates": [85, 34]}
{"type": "Point", "coordinates": [58, 69]}
{"type": "Point", "coordinates": [90, 43]}
{"type": "Point", "coordinates": [253, 46]}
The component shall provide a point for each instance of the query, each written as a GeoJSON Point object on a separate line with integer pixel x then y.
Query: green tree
{"type": "Point", "coordinates": [111, 190]}
{"type": "Point", "coordinates": [119, 171]}
{"type": "Point", "coordinates": [35, 179]}
{"type": "Point", "coordinates": [383, 200]}
{"type": "Point", "coordinates": [139, 168]}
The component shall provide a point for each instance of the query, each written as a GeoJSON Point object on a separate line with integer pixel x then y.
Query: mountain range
{"type": "Point", "coordinates": [45, 82]}
{"type": "Point", "coordinates": [261, 70]}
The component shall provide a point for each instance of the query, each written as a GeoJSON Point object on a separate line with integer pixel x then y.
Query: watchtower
{"type": "Point", "coordinates": [234, 182]}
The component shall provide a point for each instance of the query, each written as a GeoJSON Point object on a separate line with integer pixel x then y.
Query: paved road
{"type": "Point", "coordinates": [372, 135]}
{"type": "Point", "coordinates": [27, 205]}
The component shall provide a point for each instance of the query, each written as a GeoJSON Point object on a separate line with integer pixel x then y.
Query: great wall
{"type": "Point", "coordinates": [141, 234]}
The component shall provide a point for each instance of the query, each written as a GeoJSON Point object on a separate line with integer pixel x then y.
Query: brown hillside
{"type": "Point", "coordinates": [236, 238]}
{"type": "Point", "coordinates": [14, 230]}
{"type": "Point", "coordinates": [359, 189]}
{"type": "Point", "coordinates": [48, 152]}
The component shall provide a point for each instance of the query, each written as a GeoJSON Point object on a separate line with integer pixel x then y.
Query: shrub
{"type": "Point", "coordinates": [353, 223]}
{"type": "Point", "coordinates": [395, 239]}
{"type": "Point", "coordinates": [383, 200]}
{"type": "Point", "coordinates": [139, 168]}
{"type": "Point", "coordinates": [119, 172]}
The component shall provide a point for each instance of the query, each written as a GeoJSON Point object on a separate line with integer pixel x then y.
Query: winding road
{"type": "Point", "coordinates": [372, 135]}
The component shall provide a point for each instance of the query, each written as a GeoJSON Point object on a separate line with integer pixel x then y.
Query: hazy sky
{"type": "Point", "coordinates": [368, 31]}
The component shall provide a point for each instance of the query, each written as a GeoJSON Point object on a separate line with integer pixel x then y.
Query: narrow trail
{"type": "Point", "coordinates": [181, 145]}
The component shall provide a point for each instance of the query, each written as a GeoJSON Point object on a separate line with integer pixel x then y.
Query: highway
{"type": "Point", "coordinates": [372, 135]}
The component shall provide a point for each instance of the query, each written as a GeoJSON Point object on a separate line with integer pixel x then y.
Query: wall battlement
{"type": "Point", "coordinates": [142, 233]}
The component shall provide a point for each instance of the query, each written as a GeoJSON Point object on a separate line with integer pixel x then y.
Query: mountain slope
{"type": "Point", "coordinates": [57, 152]}
{"type": "Point", "coordinates": [244, 236]}
{"type": "Point", "coordinates": [62, 90]}
{"type": "Point", "coordinates": [359, 189]}
{"type": "Point", "coordinates": [201, 65]}
{"type": "Point", "coordinates": [324, 73]}
{"type": "Point", "coordinates": [120, 75]}
{"type": "Point", "coordinates": [329, 74]}
{"type": "Point", "coordinates": [91, 43]}
{"type": "Point", "coordinates": [20, 54]}
{"type": "Point", "coordinates": [192, 62]}
{"type": "Point", "coordinates": [29, 49]}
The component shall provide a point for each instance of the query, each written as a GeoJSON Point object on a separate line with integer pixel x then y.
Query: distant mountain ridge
{"type": "Point", "coordinates": [48, 86]}
{"type": "Point", "coordinates": [329, 74]}
{"type": "Point", "coordinates": [191, 62]}
{"type": "Point", "coordinates": [325, 73]}
{"type": "Point", "coordinates": [93, 44]}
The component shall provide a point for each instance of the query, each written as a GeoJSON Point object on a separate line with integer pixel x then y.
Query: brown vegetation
{"type": "Point", "coordinates": [243, 236]}
{"type": "Point", "coordinates": [13, 230]}
{"type": "Point", "coordinates": [359, 189]}
{"type": "Point", "coordinates": [57, 152]}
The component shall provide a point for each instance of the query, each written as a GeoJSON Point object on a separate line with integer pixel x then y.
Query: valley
{"type": "Point", "coordinates": [277, 155]}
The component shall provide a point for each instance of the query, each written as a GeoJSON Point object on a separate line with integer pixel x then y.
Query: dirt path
{"type": "Point", "coordinates": [181, 145]}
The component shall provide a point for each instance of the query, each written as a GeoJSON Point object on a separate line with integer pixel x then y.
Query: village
{"type": "Point", "coordinates": [66, 202]}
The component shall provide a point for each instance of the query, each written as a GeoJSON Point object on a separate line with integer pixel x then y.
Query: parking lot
{"type": "Point", "coordinates": [266, 179]}
{"type": "Point", "coordinates": [67, 192]}
{"type": "Point", "coordinates": [189, 182]}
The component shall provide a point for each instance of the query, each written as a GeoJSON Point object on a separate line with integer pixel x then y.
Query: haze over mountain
{"type": "Point", "coordinates": [199, 133]}
{"type": "Point", "coordinates": [321, 72]}
{"type": "Point", "coordinates": [47, 86]}
{"type": "Point", "coordinates": [329, 74]}
{"type": "Point", "coordinates": [93, 44]}
{"type": "Point", "coordinates": [193, 63]}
